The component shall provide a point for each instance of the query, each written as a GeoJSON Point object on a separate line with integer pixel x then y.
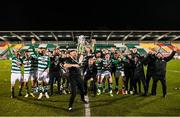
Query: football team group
{"type": "Point", "coordinates": [109, 71]}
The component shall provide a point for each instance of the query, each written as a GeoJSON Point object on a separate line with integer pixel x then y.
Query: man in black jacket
{"type": "Point", "coordinates": [150, 67]}
{"type": "Point", "coordinates": [129, 71]}
{"type": "Point", "coordinates": [139, 75]}
{"type": "Point", "coordinates": [54, 71]}
{"type": "Point", "coordinates": [90, 72]}
{"type": "Point", "coordinates": [74, 77]}
{"type": "Point", "coordinates": [160, 71]}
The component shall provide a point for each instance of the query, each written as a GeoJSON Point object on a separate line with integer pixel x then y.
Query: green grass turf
{"type": "Point", "coordinates": [20, 106]}
{"type": "Point", "coordinates": [100, 105]}
{"type": "Point", "coordinates": [139, 105]}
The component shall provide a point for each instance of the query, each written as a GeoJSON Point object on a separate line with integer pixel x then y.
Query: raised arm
{"type": "Point", "coordinates": [171, 55]}
{"type": "Point", "coordinates": [10, 51]}
{"type": "Point", "coordinates": [33, 48]}
{"type": "Point", "coordinates": [66, 65]}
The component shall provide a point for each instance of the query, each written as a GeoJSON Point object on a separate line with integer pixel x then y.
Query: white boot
{"type": "Point", "coordinates": [26, 95]}
{"type": "Point", "coordinates": [40, 96]}
{"type": "Point", "coordinates": [32, 94]}
{"type": "Point", "coordinates": [46, 94]}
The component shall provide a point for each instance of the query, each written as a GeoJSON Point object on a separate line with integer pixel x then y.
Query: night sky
{"type": "Point", "coordinates": [90, 15]}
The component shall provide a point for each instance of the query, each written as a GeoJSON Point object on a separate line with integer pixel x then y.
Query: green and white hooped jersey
{"type": "Point", "coordinates": [118, 64]}
{"type": "Point", "coordinates": [43, 62]}
{"type": "Point", "coordinates": [34, 66]}
{"type": "Point", "coordinates": [34, 62]}
{"type": "Point", "coordinates": [15, 67]}
{"type": "Point", "coordinates": [27, 66]}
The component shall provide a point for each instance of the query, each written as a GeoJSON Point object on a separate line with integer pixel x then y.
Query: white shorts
{"type": "Point", "coordinates": [98, 73]}
{"type": "Point", "coordinates": [120, 73]}
{"type": "Point", "coordinates": [106, 73]}
{"type": "Point", "coordinates": [43, 76]}
{"type": "Point", "coordinates": [29, 76]}
{"type": "Point", "coordinates": [16, 76]}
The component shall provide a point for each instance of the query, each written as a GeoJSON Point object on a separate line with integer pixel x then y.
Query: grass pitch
{"type": "Point", "coordinates": [119, 105]}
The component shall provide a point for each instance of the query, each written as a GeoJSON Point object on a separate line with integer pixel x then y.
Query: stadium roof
{"type": "Point", "coordinates": [111, 35]}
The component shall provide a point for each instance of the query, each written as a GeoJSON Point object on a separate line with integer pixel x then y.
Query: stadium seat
{"type": "Point", "coordinates": [148, 45]}
{"type": "Point", "coordinates": [17, 46]}
{"type": "Point", "coordinates": [108, 46]}
{"type": "Point", "coordinates": [142, 51]}
{"type": "Point", "coordinates": [131, 45]}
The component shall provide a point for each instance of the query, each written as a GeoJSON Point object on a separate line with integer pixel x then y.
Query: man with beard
{"type": "Point", "coordinates": [54, 71]}
{"type": "Point", "coordinates": [90, 72]}
{"type": "Point", "coordinates": [160, 72]}
{"type": "Point", "coordinates": [74, 77]}
{"type": "Point", "coordinates": [150, 67]}
{"type": "Point", "coordinates": [43, 71]}
{"type": "Point", "coordinates": [28, 74]}
{"type": "Point", "coordinates": [15, 71]}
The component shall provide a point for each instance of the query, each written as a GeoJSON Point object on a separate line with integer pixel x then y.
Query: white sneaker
{"type": "Point", "coordinates": [40, 96]}
{"type": "Point", "coordinates": [46, 94]}
{"type": "Point", "coordinates": [32, 94]}
{"type": "Point", "coordinates": [98, 92]}
{"type": "Point", "coordinates": [126, 92]}
{"type": "Point", "coordinates": [131, 92]}
{"type": "Point", "coordinates": [26, 95]}
{"type": "Point", "coordinates": [64, 92]}
{"type": "Point", "coordinates": [70, 109]}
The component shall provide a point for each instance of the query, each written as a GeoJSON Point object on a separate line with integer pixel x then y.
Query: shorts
{"type": "Point", "coordinates": [16, 76]}
{"type": "Point", "coordinates": [119, 73]}
{"type": "Point", "coordinates": [98, 73]}
{"type": "Point", "coordinates": [29, 76]}
{"type": "Point", "coordinates": [43, 76]}
{"type": "Point", "coordinates": [106, 73]}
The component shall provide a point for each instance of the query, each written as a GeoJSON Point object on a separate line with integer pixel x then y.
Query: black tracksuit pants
{"type": "Point", "coordinates": [139, 80]}
{"type": "Point", "coordinates": [76, 82]}
{"type": "Point", "coordinates": [163, 83]}
{"type": "Point", "coordinates": [129, 77]}
{"type": "Point", "coordinates": [53, 76]}
{"type": "Point", "coordinates": [149, 75]}
{"type": "Point", "coordinates": [86, 78]}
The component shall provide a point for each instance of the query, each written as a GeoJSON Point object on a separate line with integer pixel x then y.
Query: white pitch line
{"type": "Point", "coordinates": [174, 71]}
{"type": "Point", "coordinates": [87, 107]}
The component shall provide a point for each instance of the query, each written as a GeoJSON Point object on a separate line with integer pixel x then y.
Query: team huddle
{"type": "Point", "coordinates": [103, 68]}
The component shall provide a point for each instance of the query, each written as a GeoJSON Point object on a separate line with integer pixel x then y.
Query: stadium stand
{"type": "Point", "coordinates": [131, 45]}
{"type": "Point", "coordinates": [122, 40]}
{"type": "Point", "coordinates": [148, 45]}
{"type": "Point", "coordinates": [106, 46]}
{"type": "Point", "coordinates": [176, 45]}
{"type": "Point", "coordinates": [17, 46]}
{"type": "Point", "coordinates": [141, 50]}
